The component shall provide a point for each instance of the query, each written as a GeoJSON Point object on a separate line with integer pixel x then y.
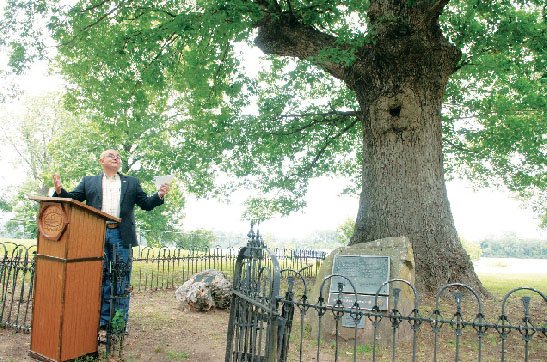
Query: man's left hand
{"type": "Point", "coordinates": [164, 190]}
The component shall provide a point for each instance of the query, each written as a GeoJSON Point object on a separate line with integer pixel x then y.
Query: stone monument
{"type": "Point", "coordinates": [358, 273]}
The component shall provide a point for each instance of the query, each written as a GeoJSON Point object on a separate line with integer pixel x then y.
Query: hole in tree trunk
{"type": "Point", "coordinates": [395, 111]}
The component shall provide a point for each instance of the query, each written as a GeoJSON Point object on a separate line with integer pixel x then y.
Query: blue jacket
{"type": "Point", "coordinates": [90, 190]}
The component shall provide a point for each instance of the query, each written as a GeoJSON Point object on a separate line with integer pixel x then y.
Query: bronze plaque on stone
{"type": "Point", "coordinates": [52, 221]}
{"type": "Point", "coordinates": [366, 272]}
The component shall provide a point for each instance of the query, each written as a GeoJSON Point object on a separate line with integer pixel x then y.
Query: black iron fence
{"type": "Point", "coordinates": [152, 269]}
{"type": "Point", "coordinates": [158, 269]}
{"type": "Point", "coordinates": [269, 322]}
{"type": "Point", "coordinates": [155, 269]}
{"type": "Point", "coordinates": [16, 283]}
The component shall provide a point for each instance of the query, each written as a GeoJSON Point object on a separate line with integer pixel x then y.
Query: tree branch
{"type": "Point", "coordinates": [165, 44]}
{"type": "Point", "coordinates": [331, 113]}
{"type": "Point", "coordinates": [438, 6]}
{"type": "Point", "coordinates": [268, 5]}
{"type": "Point", "coordinates": [332, 118]}
{"type": "Point", "coordinates": [506, 112]}
{"type": "Point", "coordinates": [101, 18]}
{"type": "Point", "coordinates": [284, 35]}
{"type": "Point", "coordinates": [78, 32]}
{"type": "Point", "coordinates": [93, 6]}
{"type": "Point", "coordinates": [155, 9]}
{"type": "Point", "coordinates": [328, 142]}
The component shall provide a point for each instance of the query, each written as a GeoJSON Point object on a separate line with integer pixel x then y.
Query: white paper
{"type": "Point", "coordinates": [160, 180]}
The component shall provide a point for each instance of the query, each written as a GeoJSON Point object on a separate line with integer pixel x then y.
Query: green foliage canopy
{"type": "Point", "coordinates": [495, 124]}
{"type": "Point", "coordinates": [180, 64]}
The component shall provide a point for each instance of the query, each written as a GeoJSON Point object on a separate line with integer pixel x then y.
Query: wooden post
{"type": "Point", "coordinates": [67, 288]}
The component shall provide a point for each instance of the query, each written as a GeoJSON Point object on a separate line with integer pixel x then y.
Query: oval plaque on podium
{"type": "Point", "coordinates": [52, 221]}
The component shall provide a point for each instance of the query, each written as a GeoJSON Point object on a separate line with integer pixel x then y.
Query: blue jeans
{"type": "Point", "coordinates": [116, 277]}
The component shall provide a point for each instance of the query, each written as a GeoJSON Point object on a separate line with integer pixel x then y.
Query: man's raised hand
{"type": "Point", "coordinates": [57, 183]}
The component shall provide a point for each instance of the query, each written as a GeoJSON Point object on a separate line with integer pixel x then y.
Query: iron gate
{"type": "Point", "coordinates": [255, 328]}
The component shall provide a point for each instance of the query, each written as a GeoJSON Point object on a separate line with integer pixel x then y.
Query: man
{"type": "Point", "coordinates": [117, 195]}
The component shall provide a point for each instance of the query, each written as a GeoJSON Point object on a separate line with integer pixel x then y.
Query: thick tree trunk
{"type": "Point", "coordinates": [403, 189]}
{"type": "Point", "coordinates": [399, 81]}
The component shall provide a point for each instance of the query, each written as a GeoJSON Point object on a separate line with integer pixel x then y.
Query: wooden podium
{"type": "Point", "coordinates": [67, 289]}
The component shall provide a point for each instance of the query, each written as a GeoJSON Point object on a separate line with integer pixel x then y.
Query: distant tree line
{"type": "Point", "coordinates": [511, 246]}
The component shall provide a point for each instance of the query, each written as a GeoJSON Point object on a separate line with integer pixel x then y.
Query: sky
{"type": "Point", "coordinates": [477, 213]}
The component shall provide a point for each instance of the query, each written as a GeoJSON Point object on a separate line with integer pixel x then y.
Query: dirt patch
{"type": "Point", "coordinates": [158, 331]}
{"type": "Point", "coordinates": [14, 346]}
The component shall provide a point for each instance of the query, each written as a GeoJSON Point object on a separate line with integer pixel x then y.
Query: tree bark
{"type": "Point", "coordinates": [403, 189]}
{"type": "Point", "coordinates": [399, 82]}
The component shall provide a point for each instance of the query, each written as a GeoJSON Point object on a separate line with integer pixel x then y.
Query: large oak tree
{"type": "Point", "coordinates": [394, 93]}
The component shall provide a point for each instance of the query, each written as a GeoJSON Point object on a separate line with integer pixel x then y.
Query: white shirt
{"type": "Point", "coordinates": [112, 187]}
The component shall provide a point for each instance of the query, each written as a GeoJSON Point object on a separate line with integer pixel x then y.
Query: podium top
{"type": "Point", "coordinates": [76, 203]}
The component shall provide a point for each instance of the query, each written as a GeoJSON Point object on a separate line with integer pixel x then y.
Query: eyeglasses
{"type": "Point", "coordinates": [113, 156]}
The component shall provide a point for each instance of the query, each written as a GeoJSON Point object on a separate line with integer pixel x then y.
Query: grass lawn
{"type": "Point", "coordinates": [500, 284]}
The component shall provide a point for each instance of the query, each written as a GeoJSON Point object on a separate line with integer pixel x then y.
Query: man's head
{"type": "Point", "coordinates": [110, 161]}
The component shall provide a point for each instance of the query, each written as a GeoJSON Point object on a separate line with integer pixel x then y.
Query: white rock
{"type": "Point", "coordinates": [205, 290]}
